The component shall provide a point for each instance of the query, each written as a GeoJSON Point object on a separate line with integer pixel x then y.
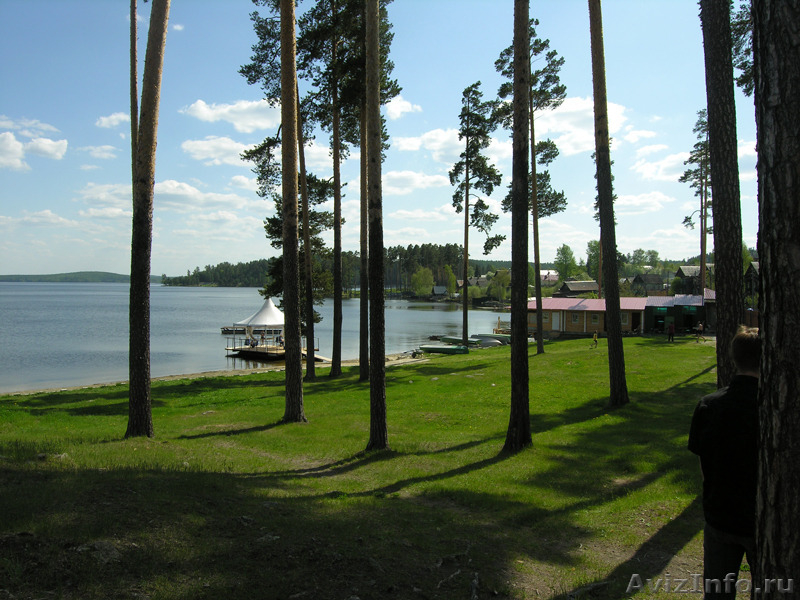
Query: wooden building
{"type": "Point", "coordinates": [573, 289]}
{"type": "Point", "coordinates": [583, 316]}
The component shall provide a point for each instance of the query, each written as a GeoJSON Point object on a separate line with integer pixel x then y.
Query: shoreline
{"type": "Point", "coordinates": [401, 358]}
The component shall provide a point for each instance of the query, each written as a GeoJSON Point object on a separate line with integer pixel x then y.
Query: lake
{"type": "Point", "coordinates": [55, 335]}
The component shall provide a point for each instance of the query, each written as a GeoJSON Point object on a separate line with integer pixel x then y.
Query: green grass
{"type": "Point", "coordinates": [228, 502]}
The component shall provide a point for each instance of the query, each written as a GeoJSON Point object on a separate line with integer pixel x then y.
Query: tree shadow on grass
{"type": "Point", "coordinates": [83, 532]}
{"type": "Point", "coordinates": [230, 432]}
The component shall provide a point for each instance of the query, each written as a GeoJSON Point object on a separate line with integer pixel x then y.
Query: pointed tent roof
{"type": "Point", "coordinates": [269, 315]}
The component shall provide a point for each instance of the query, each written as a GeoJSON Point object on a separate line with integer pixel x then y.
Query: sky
{"type": "Point", "coordinates": [65, 197]}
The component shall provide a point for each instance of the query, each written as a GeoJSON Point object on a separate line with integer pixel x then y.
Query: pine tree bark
{"type": "Point", "coordinates": [294, 411]}
{"type": "Point", "coordinates": [363, 336]}
{"type": "Point", "coordinates": [518, 435]}
{"type": "Point", "coordinates": [726, 209]}
{"type": "Point", "coordinates": [608, 240]}
{"type": "Point", "coordinates": [336, 359]}
{"type": "Point", "coordinates": [777, 98]}
{"type": "Point", "coordinates": [311, 373]}
{"type": "Point", "coordinates": [465, 289]}
{"type": "Point", "coordinates": [140, 417]}
{"type": "Point", "coordinates": [535, 220]}
{"type": "Point", "coordinates": [378, 434]}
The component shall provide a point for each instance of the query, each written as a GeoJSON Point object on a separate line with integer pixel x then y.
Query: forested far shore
{"type": "Point", "coordinates": [402, 262]}
{"type": "Point", "coordinates": [76, 277]}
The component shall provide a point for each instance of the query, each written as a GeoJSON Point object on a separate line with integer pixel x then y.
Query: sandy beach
{"type": "Point", "coordinates": [391, 360]}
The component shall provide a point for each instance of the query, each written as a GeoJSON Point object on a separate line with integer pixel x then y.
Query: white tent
{"type": "Point", "coordinates": [267, 317]}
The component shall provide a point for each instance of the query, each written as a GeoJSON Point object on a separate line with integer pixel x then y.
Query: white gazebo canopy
{"type": "Point", "coordinates": [268, 316]}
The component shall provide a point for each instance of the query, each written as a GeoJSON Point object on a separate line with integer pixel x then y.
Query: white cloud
{"type": "Point", "coordinates": [89, 167]}
{"type": "Point", "coordinates": [571, 125]}
{"type": "Point", "coordinates": [183, 197]}
{"type": "Point", "coordinates": [113, 120]}
{"type": "Point", "coordinates": [634, 135]}
{"type": "Point", "coordinates": [398, 106]}
{"type": "Point", "coordinates": [177, 27]}
{"type": "Point", "coordinates": [109, 212]}
{"type": "Point", "coordinates": [669, 168]}
{"type": "Point", "coordinates": [318, 156]}
{"type": "Point", "coordinates": [116, 195]}
{"type": "Point", "coordinates": [12, 152]}
{"type": "Point", "coordinates": [499, 151]}
{"type": "Point", "coordinates": [443, 144]}
{"type": "Point", "coordinates": [651, 149]}
{"type": "Point", "coordinates": [55, 149]}
{"type": "Point", "coordinates": [214, 150]}
{"type": "Point", "coordinates": [245, 183]}
{"type": "Point", "coordinates": [401, 183]}
{"type": "Point", "coordinates": [246, 116]}
{"type": "Point", "coordinates": [26, 127]}
{"type": "Point", "coordinates": [46, 217]}
{"type": "Point", "coordinates": [639, 204]}
{"type": "Point", "coordinates": [100, 152]}
{"type": "Point", "coordinates": [747, 148]}
{"type": "Point", "coordinates": [443, 213]}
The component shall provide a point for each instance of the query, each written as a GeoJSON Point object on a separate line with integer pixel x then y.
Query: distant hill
{"type": "Point", "coordinates": [78, 277]}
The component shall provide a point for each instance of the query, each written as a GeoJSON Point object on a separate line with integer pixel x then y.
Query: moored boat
{"type": "Point", "coordinates": [444, 349]}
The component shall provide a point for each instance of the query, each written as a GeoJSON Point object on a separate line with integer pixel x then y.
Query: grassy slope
{"type": "Point", "coordinates": [226, 502]}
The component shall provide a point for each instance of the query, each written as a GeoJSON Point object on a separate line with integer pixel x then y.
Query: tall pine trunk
{"type": "Point", "coordinates": [608, 241]}
{"type": "Point", "coordinates": [777, 96]}
{"type": "Point", "coordinates": [535, 221]}
{"type": "Point", "coordinates": [378, 434]}
{"type": "Point", "coordinates": [716, 24]}
{"type": "Point", "coordinates": [140, 416]}
{"type": "Point", "coordinates": [308, 262]}
{"type": "Point", "coordinates": [294, 411]}
{"type": "Point", "coordinates": [336, 359]}
{"type": "Point", "coordinates": [465, 291]}
{"type": "Point", "coordinates": [363, 329]}
{"type": "Point", "coordinates": [518, 435]}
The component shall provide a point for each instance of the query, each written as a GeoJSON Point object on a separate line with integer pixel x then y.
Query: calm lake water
{"type": "Point", "coordinates": [69, 334]}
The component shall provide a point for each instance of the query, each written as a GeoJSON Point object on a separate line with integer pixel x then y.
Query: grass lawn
{"type": "Point", "coordinates": [227, 502]}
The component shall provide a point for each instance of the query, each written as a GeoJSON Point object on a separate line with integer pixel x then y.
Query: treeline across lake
{"type": "Point", "coordinates": [400, 265]}
{"type": "Point", "coordinates": [76, 277]}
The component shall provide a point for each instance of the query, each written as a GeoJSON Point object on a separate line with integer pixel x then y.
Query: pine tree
{"type": "Point", "coordinates": [143, 144]}
{"type": "Point", "coordinates": [473, 172]}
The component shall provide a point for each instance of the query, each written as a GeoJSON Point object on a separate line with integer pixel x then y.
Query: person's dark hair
{"type": "Point", "coordinates": [746, 349]}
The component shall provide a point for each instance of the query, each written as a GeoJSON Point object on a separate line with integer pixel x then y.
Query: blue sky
{"type": "Point", "coordinates": [65, 147]}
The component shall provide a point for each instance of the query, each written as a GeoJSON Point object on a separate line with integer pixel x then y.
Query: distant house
{"type": "Point", "coordinates": [647, 282]}
{"type": "Point", "coordinates": [573, 289]}
{"type": "Point", "coordinates": [548, 277]}
{"type": "Point", "coordinates": [583, 316]}
{"type": "Point", "coordinates": [751, 280]}
{"type": "Point", "coordinates": [685, 311]}
{"type": "Point", "coordinates": [481, 282]}
{"type": "Point", "coordinates": [439, 291]}
{"type": "Point", "coordinates": [690, 274]}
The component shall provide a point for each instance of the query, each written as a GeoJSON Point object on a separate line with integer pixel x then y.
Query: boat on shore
{"type": "Point", "coordinates": [451, 339]}
{"type": "Point", "coordinates": [503, 338]}
{"type": "Point", "coordinates": [444, 349]}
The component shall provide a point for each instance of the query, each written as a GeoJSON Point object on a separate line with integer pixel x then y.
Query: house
{"type": "Point", "coordinates": [690, 274]}
{"type": "Point", "coordinates": [751, 279]}
{"type": "Point", "coordinates": [439, 291]}
{"type": "Point", "coordinates": [684, 310]}
{"type": "Point", "coordinates": [647, 282]}
{"type": "Point", "coordinates": [583, 316]}
{"type": "Point", "coordinates": [548, 277]}
{"type": "Point", "coordinates": [573, 289]}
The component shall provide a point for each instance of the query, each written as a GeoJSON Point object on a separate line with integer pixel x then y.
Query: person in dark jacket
{"type": "Point", "coordinates": [724, 434]}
